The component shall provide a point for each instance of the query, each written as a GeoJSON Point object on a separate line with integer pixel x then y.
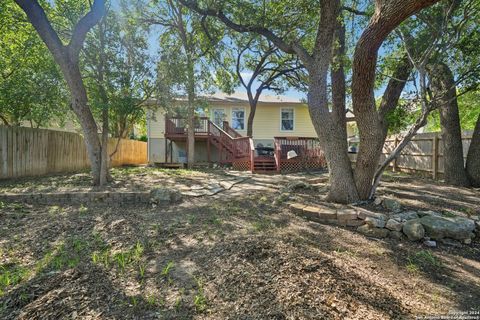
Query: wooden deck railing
{"type": "Point", "coordinates": [309, 153]}
{"type": "Point", "coordinates": [303, 146]}
{"type": "Point", "coordinates": [178, 125]}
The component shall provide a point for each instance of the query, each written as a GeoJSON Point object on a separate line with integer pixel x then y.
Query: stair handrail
{"type": "Point", "coordinates": [227, 128]}
{"type": "Point", "coordinates": [220, 129]}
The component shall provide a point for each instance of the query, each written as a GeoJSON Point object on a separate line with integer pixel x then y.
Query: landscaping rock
{"type": "Point", "coordinates": [405, 216]}
{"type": "Point", "coordinates": [458, 228]}
{"type": "Point", "coordinates": [311, 213]}
{"type": "Point", "coordinates": [429, 213]}
{"type": "Point", "coordinates": [394, 225]}
{"type": "Point", "coordinates": [450, 242]}
{"type": "Point", "coordinates": [327, 213]}
{"type": "Point", "coordinates": [467, 241]}
{"type": "Point", "coordinates": [373, 232]}
{"type": "Point", "coordinates": [296, 208]}
{"type": "Point", "coordinates": [351, 223]}
{"type": "Point", "coordinates": [414, 230]}
{"type": "Point", "coordinates": [392, 205]}
{"type": "Point", "coordinates": [165, 195]}
{"type": "Point", "coordinates": [363, 213]}
{"type": "Point", "coordinates": [378, 201]}
{"type": "Point", "coordinates": [346, 214]}
{"type": "Point", "coordinates": [395, 235]}
{"type": "Point", "coordinates": [430, 243]}
{"type": "Point", "coordinates": [375, 223]}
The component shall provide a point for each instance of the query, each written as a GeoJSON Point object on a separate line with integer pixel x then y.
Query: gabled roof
{"type": "Point", "coordinates": [242, 97]}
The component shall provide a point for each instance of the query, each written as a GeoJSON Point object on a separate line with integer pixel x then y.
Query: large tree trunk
{"type": "Point", "coordinates": [473, 157]}
{"type": "Point", "coordinates": [341, 175]}
{"type": "Point", "coordinates": [67, 57]}
{"type": "Point", "coordinates": [388, 15]}
{"type": "Point", "coordinates": [87, 122]}
{"type": "Point", "coordinates": [104, 173]}
{"type": "Point", "coordinates": [330, 126]}
{"type": "Point", "coordinates": [442, 84]}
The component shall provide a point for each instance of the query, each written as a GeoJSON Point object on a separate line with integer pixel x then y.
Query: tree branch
{"type": "Point", "coordinates": [87, 22]}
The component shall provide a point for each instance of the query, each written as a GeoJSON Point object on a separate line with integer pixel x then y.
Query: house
{"type": "Point", "coordinates": [283, 135]}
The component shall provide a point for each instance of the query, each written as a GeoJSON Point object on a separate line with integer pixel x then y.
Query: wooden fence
{"type": "Point", "coordinates": [33, 152]}
{"type": "Point", "coordinates": [423, 154]}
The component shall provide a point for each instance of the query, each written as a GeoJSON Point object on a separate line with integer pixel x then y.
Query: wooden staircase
{"type": "Point", "coordinates": [264, 164]}
{"type": "Point", "coordinates": [233, 149]}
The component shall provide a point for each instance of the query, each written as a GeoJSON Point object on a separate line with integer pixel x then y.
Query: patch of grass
{"type": "Point", "coordinates": [345, 251]}
{"type": "Point", "coordinates": [151, 300]}
{"type": "Point", "coordinates": [179, 300]}
{"type": "Point", "coordinates": [83, 209]}
{"type": "Point", "coordinates": [166, 270]}
{"type": "Point", "coordinates": [191, 218]}
{"type": "Point", "coordinates": [412, 267]}
{"type": "Point", "coordinates": [199, 300]}
{"type": "Point", "coordinates": [10, 275]}
{"type": "Point", "coordinates": [141, 271]}
{"type": "Point", "coordinates": [53, 210]}
{"type": "Point", "coordinates": [101, 258]}
{"type": "Point", "coordinates": [214, 220]}
{"type": "Point", "coordinates": [262, 225]}
{"type": "Point", "coordinates": [134, 301]}
{"type": "Point", "coordinates": [422, 260]}
{"type": "Point", "coordinates": [122, 258]}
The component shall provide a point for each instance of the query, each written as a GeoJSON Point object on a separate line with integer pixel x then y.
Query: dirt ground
{"type": "Point", "coordinates": [237, 255]}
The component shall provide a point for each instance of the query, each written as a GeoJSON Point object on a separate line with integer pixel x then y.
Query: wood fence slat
{"type": "Point", "coordinates": [32, 152]}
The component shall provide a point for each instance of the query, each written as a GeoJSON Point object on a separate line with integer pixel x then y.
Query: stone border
{"type": "Point", "coordinates": [423, 225]}
{"type": "Point", "coordinates": [345, 217]}
{"type": "Point", "coordinates": [114, 197]}
{"type": "Point", "coordinates": [78, 197]}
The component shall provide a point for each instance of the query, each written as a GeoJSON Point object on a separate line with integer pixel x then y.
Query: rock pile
{"type": "Point", "coordinates": [428, 226]}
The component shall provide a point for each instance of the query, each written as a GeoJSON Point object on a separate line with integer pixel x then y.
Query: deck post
{"type": "Point", "coordinates": [166, 150]}
{"type": "Point", "coordinates": [208, 152]}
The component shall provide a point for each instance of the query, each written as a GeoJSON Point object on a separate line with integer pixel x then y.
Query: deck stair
{"type": "Point", "coordinates": [264, 164]}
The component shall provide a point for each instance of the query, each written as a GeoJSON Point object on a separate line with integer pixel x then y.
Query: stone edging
{"type": "Point", "coordinates": [78, 197]}
{"type": "Point", "coordinates": [423, 225]}
{"type": "Point", "coordinates": [346, 217]}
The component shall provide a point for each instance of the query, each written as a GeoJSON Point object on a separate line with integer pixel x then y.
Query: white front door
{"type": "Point", "coordinates": [218, 116]}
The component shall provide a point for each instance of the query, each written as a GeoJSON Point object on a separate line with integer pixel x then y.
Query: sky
{"type": "Point", "coordinates": [291, 93]}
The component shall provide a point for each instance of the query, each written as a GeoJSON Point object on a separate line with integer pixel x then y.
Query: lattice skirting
{"type": "Point", "coordinates": [294, 165]}
{"type": "Point", "coordinates": [241, 164]}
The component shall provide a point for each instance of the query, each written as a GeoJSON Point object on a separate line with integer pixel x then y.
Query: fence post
{"type": "Point", "coordinates": [435, 157]}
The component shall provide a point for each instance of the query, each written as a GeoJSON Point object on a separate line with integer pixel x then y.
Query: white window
{"type": "Point", "coordinates": [238, 118]}
{"type": "Point", "coordinates": [287, 119]}
{"type": "Point", "coordinates": [219, 117]}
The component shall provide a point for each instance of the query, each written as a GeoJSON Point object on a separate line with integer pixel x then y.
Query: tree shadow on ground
{"type": "Point", "coordinates": [236, 257]}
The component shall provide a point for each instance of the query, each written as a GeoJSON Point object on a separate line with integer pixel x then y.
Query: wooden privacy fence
{"type": "Point", "coordinates": [32, 152]}
{"type": "Point", "coordinates": [423, 154]}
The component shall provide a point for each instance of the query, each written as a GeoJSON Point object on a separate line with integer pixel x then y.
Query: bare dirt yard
{"type": "Point", "coordinates": [239, 254]}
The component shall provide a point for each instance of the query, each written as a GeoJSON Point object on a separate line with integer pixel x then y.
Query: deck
{"type": "Point", "coordinates": [290, 153]}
